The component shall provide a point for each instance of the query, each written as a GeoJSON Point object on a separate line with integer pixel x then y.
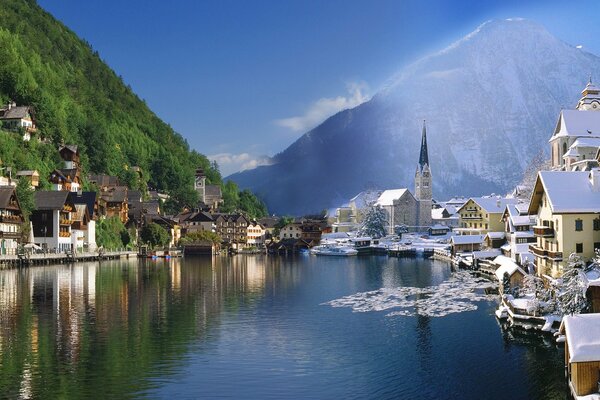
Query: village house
{"type": "Point", "coordinates": [11, 220]}
{"type": "Point", "coordinates": [15, 117]}
{"type": "Point", "coordinates": [582, 353]}
{"type": "Point", "coordinates": [196, 221]}
{"type": "Point", "coordinates": [33, 176]}
{"type": "Point", "coordinates": [465, 244]}
{"type": "Point", "coordinates": [233, 229]}
{"type": "Point", "coordinates": [113, 202]}
{"type": "Point", "coordinates": [311, 231]}
{"type": "Point", "coordinates": [345, 220]}
{"type": "Point", "coordinates": [104, 182]}
{"type": "Point", "coordinates": [506, 267]}
{"type": "Point", "coordinates": [268, 223]}
{"type": "Point", "coordinates": [518, 228]}
{"type": "Point", "coordinates": [292, 230]}
{"type": "Point", "coordinates": [256, 234]}
{"type": "Point", "coordinates": [480, 215]}
{"type": "Point", "coordinates": [52, 220]}
{"type": "Point", "coordinates": [84, 219]}
{"type": "Point", "coordinates": [567, 207]}
{"type": "Point", "coordinates": [361, 202]}
{"type": "Point", "coordinates": [65, 179]}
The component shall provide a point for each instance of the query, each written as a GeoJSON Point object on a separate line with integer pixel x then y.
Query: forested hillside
{"type": "Point", "coordinates": [78, 99]}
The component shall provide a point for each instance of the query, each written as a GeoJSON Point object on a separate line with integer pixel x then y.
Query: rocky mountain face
{"type": "Point", "coordinates": [491, 101]}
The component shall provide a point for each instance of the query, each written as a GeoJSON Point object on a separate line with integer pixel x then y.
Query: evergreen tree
{"type": "Point", "coordinates": [506, 283]}
{"type": "Point", "coordinates": [374, 223]}
{"type": "Point", "coordinates": [574, 285]}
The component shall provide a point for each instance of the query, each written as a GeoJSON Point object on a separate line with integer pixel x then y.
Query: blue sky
{"type": "Point", "coordinates": [242, 80]}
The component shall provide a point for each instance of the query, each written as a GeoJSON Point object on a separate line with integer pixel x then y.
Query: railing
{"type": "Point", "coordinates": [10, 218]}
{"type": "Point", "coordinates": [543, 231]}
{"type": "Point", "coordinates": [554, 255]}
{"type": "Point", "coordinates": [10, 235]}
{"type": "Point", "coordinates": [64, 234]}
{"type": "Point", "coordinates": [66, 222]}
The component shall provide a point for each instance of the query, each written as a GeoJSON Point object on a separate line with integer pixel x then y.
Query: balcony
{"type": "Point", "coordinates": [543, 231]}
{"type": "Point", "coordinates": [10, 235]}
{"type": "Point", "coordinates": [11, 219]}
{"type": "Point", "coordinates": [66, 222]}
{"type": "Point", "coordinates": [551, 255]}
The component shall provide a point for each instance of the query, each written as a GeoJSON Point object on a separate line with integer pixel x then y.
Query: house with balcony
{"type": "Point", "coordinates": [566, 205]}
{"type": "Point", "coordinates": [11, 220]}
{"type": "Point", "coordinates": [233, 229]}
{"type": "Point", "coordinates": [114, 202]}
{"type": "Point", "coordinates": [256, 234]}
{"type": "Point", "coordinates": [480, 215]}
{"type": "Point", "coordinates": [65, 179]}
{"type": "Point", "coordinates": [84, 219]}
{"type": "Point", "coordinates": [196, 221]}
{"type": "Point", "coordinates": [518, 229]}
{"type": "Point", "coordinates": [52, 220]}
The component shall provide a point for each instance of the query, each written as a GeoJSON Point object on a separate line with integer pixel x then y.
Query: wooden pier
{"type": "Point", "coordinates": [11, 261]}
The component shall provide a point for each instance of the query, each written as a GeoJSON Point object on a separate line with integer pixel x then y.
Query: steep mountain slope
{"type": "Point", "coordinates": [490, 100]}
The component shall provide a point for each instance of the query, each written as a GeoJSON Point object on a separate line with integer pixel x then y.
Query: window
{"type": "Point", "coordinates": [486, 226]}
{"type": "Point", "coordinates": [578, 225]}
{"type": "Point", "coordinates": [597, 224]}
{"type": "Point", "coordinates": [596, 246]}
{"type": "Point", "coordinates": [579, 248]}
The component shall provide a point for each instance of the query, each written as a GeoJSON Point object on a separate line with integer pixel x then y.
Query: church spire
{"type": "Point", "coordinates": [423, 157]}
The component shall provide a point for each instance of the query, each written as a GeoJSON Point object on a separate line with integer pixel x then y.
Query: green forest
{"type": "Point", "coordinates": [79, 100]}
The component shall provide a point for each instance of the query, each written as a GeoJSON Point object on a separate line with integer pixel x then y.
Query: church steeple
{"type": "Point", "coordinates": [423, 157]}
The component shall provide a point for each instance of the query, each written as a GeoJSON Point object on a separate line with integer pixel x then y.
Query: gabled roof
{"type": "Point", "coordinates": [69, 147]}
{"type": "Point", "coordinates": [212, 190]}
{"type": "Point", "coordinates": [365, 198]}
{"type": "Point", "coordinates": [582, 336]}
{"type": "Point", "coordinates": [87, 198]}
{"type": "Point", "coordinates": [507, 265]}
{"type": "Point", "coordinates": [50, 200]}
{"type": "Point", "coordinates": [578, 123]}
{"type": "Point", "coordinates": [15, 112]}
{"type": "Point", "coordinates": [467, 239]}
{"type": "Point", "coordinates": [117, 194]}
{"type": "Point", "coordinates": [388, 196]}
{"type": "Point", "coordinates": [491, 204]}
{"type": "Point", "coordinates": [6, 192]}
{"type": "Point", "coordinates": [567, 192]}
{"type": "Point", "coordinates": [268, 222]}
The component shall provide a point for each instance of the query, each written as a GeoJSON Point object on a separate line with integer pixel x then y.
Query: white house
{"type": "Point", "coordinates": [519, 233]}
{"type": "Point", "coordinates": [52, 221]}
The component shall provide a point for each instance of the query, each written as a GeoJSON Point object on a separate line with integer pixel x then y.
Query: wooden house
{"type": "Point", "coordinates": [11, 220]}
{"type": "Point", "coordinates": [113, 202]}
{"type": "Point", "coordinates": [65, 179]}
{"type": "Point", "coordinates": [582, 353]}
{"type": "Point", "coordinates": [70, 155]}
{"type": "Point", "coordinates": [33, 176]}
{"type": "Point", "coordinates": [18, 117]}
{"type": "Point", "coordinates": [52, 220]}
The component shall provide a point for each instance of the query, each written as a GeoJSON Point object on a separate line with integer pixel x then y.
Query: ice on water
{"type": "Point", "coordinates": [458, 294]}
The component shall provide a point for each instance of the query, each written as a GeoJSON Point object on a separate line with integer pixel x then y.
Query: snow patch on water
{"type": "Point", "coordinates": [457, 294]}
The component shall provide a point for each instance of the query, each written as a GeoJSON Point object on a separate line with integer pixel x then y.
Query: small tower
{"type": "Point", "coordinates": [590, 98]}
{"type": "Point", "coordinates": [423, 183]}
{"type": "Point", "coordinates": [200, 184]}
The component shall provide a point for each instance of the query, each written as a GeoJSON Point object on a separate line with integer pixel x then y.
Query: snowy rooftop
{"type": "Point", "coordinates": [494, 204]}
{"type": "Point", "coordinates": [388, 196]}
{"type": "Point", "coordinates": [467, 239]}
{"type": "Point", "coordinates": [586, 142]}
{"type": "Point", "coordinates": [496, 235]}
{"type": "Point", "coordinates": [506, 265]}
{"type": "Point", "coordinates": [440, 226]}
{"type": "Point", "coordinates": [578, 123]}
{"type": "Point", "coordinates": [582, 336]}
{"type": "Point", "coordinates": [365, 198]}
{"type": "Point", "coordinates": [570, 191]}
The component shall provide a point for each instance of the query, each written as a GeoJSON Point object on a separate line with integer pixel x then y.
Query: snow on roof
{"type": "Point", "coordinates": [440, 226]}
{"type": "Point", "coordinates": [571, 153]}
{"type": "Point", "coordinates": [578, 123]}
{"type": "Point", "coordinates": [496, 235]}
{"type": "Point", "coordinates": [570, 191]}
{"type": "Point", "coordinates": [467, 239]}
{"type": "Point", "coordinates": [586, 142]}
{"type": "Point", "coordinates": [361, 239]}
{"type": "Point", "coordinates": [506, 265]}
{"type": "Point", "coordinates": [486, 253]}
{"type": "Point", "coordinates": [437, 213]}
{"type": "Point", "coordinates": [365, 198]}
{"type": "Point", "coordinates": [493, 204]}
{"type": "Point", "coordinates": [505, 247]}
{"type": "Point", "coordinates": [593, 277]}
{"type": "Point", "coordinates": [388, 196]}
{"type": "Point", "coordinates": [582, 336]}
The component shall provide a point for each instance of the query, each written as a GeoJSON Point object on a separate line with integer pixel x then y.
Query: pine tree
{"type": "Point", "coordinates": [374, 223]}
{"type": "Point", "coordinates": [574, 285]}
{"type": "Point", "coordinates": [506, 283]}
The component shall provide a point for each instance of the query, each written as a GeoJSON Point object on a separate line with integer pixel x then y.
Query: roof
{"type": "Point", "coordinates": [104, 180]}
{"type": "Point", "coordinates": [268, 222]}
{"type": "Point", "coordinates": [423, 156]}
{"type": "Point", "coordinates": [496, 235]}
{"type": "Point", "coordinates": [439, 226]}
{"type": "Point", "coordinates": [200, 217]}
{"type": "Point", "coordinates": [582, 336]}
{"type": "Point", "coordinates": [567, 192]}
{"type": "Point", "coordinates": [71, 147]}
{"type": "Point", "coordinates": [50, 200]}
{"type": "Point", "coordinates": [87, 198]}
{"type": "Point", "coordinates": [506, 265]}
{"type": "Point", "coordinates": [15, 112]}
{"type": "Point", "coordinates": [117, 194]}
{"type": "Point", "coordinates": [492, 204]}
{"type": "Point", "coordinates": [586, 142]}
{"type": "Point", "coordinates": [578, 123]}
{"type": "Point", "coordinates": [365, 198]}
{"type": "Point", "coordinates": [516, 217]}
{"type": "Point", "coordinates": [6, 193]}
{"type": "Point", "coordinates": [28, 172]}
{"type": "Point", "coordinates": [388, 196]}
{"type": "Point", "coordinates": [467, 239]}
{"type": "Point", "coordinates": [212, 190]}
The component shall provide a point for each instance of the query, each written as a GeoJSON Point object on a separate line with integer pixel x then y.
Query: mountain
{"type": "Point", "coordinates": [491, 101]}
{"type": "Point", "coordinates": [79, 100]}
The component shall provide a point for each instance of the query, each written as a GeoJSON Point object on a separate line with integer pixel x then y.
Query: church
{"type": "Point", "coordinates": [401, 206]}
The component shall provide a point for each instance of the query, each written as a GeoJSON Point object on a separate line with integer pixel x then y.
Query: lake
{"type": "Point", "coordinates": [263, 327]}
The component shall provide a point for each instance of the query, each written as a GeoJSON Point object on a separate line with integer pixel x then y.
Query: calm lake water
{"type": "Point", "coordinates": [262, 327]}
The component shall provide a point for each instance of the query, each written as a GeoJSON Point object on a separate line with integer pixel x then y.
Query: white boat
{"type": "Point", "coordinates": [333, 251]}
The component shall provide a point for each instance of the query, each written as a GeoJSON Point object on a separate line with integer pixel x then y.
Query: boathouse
{"type": "Point", "coordinates": [582, 352]}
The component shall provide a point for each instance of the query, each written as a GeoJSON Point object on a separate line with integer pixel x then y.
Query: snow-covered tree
{"type": "Point", "coordinates": [506, 284]}
{"type": "Point", "coordinates": [571, 296]}
{"type": "Point", "coordinates": [374, 223]}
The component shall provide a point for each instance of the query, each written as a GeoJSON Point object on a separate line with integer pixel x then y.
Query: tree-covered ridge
{"type": "Point", "coordinates": [78, 99]}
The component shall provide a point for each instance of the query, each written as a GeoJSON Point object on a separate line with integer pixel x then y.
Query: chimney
{"type": "Point", "coordinates": [595, 179]}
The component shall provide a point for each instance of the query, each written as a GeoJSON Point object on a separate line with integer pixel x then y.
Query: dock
{"type": "Point", "coordinates": [14, 260]}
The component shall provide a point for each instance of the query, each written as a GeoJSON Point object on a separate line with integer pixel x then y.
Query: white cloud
{"type": "Point", "coordinates": [230, 163]}
{"type": "Point", "coordinates": [326, 107]}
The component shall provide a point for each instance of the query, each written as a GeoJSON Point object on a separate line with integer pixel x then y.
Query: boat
{"type": "Point", "coordinates": [333, 251]}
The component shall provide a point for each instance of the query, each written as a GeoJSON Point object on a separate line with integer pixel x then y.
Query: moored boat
{"type": "Point", "coordinates": [333, 251]}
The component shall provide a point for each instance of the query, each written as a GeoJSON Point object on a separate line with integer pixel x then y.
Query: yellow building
{"type": "Point", "coordinates": [567, 209]}
{"type": "Point", "coordinates": [480, 215]}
